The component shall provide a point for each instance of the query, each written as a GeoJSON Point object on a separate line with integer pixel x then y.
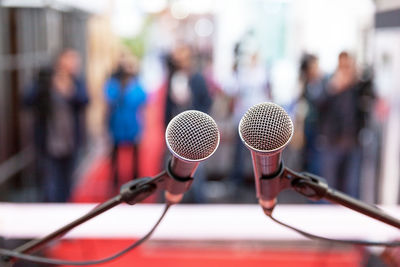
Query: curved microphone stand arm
{"type": "Point", "coordinates": [131, 193]}
{"type": "Point", "coordinates": [315, 188]}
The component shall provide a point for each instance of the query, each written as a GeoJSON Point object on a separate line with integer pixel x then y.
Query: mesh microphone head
{"type": "Point", "coordinates": [266, 128]}
{"type": "Point", "coordinates": [192, 136]}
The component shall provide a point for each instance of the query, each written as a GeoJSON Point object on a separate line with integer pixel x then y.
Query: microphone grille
{"type": "Point", "coordinates": [192, 135]}
{"type": "Point", "coordinates": [266, 127]}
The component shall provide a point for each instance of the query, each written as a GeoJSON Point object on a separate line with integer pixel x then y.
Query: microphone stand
{"type": "Point", "coordinates": [130, 193]}
{"type": "Point", "coordinates": [316, 188]}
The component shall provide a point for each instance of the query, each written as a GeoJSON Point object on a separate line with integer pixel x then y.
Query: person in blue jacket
{"type": "Point", "coordinates": [125, 97]}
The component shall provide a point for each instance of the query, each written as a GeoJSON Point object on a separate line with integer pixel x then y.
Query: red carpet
{"type": "Point", "coordinates": [96, 184]}
{"type": "Point", "coordinates": [148, 255]}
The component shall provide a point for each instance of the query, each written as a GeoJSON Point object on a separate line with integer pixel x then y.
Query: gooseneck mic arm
{"type": "Point", "coordinates": [266, 129]}
{"type": "Point", "coordinates": [131, 193]}
{"type": "Point", "coordinates": [315, 188]}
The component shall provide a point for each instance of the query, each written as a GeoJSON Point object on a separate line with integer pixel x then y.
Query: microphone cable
{"type": "Point", "coordinates": [333, 240]}
{"type": "Point", "coordinates": [37, 259]}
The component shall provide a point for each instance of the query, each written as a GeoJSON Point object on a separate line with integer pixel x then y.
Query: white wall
{"type": "Point", "coordinates": [387, 69]}
{"type": "Point", "coordinates": [327, 27]}
{"type": "Point", "coordinates": [322, 27]}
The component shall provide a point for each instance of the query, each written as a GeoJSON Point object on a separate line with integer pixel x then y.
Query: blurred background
{"type": "Point", "coordinates": [88, 87]}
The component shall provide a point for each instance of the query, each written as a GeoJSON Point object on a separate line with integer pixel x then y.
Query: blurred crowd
{"type": "Point", "coordinates": [329, 113]}
{"type": "Point", "coordinates": [334, 110]}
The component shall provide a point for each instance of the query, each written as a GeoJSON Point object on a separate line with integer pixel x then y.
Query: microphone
{"type": "Point", "coordinates": [191, 136]}
{"type": "Point", "coordinates": [266, 129]}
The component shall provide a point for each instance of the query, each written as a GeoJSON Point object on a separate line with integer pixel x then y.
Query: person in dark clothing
{"type": "Point", "coordinates": [342, 119]}
{"type": "Point", "coordinates": [186, 90]}
{"type": "Point", "coordinates": [126, 98]}
{"type": "Point", "coordinates": [58, 98]}
{"type": "Point", "coordinates": [313, 85]}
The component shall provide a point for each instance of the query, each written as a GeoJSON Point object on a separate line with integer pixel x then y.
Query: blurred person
{"type": "Point", "coordinates": [248, 85]}
{"type": "Point", "coordinates": [125, 97]}
{"type": "Point", "coordinates": [313, 89]}
{"type": "Point", "coordinates": [186, 86]}
{"type": "Point", "coordinates": [341, 126]}
{"type": "Point", "coordinates": [212, 83]}
{"type": "Point", "coordinates": [187, 90]}
{"type": "Point", "coordinates": [58, 97]}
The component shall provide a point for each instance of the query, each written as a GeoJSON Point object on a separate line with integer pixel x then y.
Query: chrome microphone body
{"type": "Point", "coordinates": [181, 168]}
{"type": "Point", "coordinates": [266, 129]}
{"type": "Point", "coordinates": [267, 169]}
{"type": "Point", "coordinates": [191, 136]}
{"type": "Point", "coordinates": [266, 165]}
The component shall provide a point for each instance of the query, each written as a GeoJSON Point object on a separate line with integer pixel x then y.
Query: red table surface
{"type": "Point", "coordinates": [179, 255]}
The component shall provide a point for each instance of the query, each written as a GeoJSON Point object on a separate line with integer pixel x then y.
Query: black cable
{"type": "Point", "coordinates": [343, 241]}
{"type": "Point", "coordinates": [38, 259]}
